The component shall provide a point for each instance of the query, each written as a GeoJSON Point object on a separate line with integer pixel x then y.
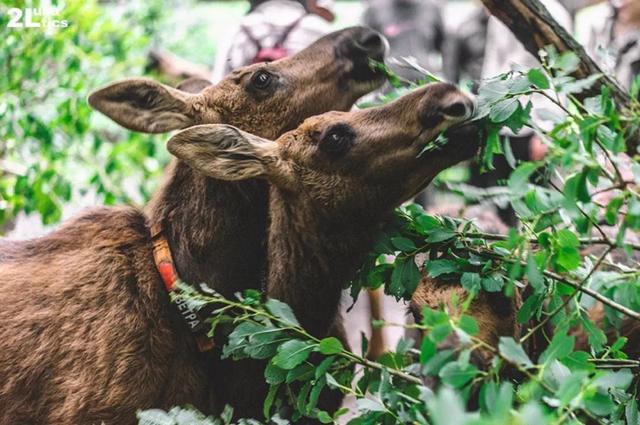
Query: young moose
{"type": "Point", "coordinates": [88, 333]}
{"type": "Point", "coordinates": [334, 180]}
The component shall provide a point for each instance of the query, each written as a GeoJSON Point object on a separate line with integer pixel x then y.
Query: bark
{"type": "Point", "coordinates": [534, 26]}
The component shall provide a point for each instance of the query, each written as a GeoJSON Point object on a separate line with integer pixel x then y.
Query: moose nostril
{"type": "Point", "coordinates": [372, 44]}
{"type": "Point", "coordinates": [457, 110]}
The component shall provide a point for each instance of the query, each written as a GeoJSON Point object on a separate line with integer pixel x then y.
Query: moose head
{"type": "Point", "coordinates": [264, 98]}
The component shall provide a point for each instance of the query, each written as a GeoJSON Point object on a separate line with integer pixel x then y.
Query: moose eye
{"type": "Point", "coordinates": [337, 140]}
{"type": "Point", "coordinates": [261, 80]}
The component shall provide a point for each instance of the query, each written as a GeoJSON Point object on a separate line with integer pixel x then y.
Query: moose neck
{"type": "Point", "coordinates": [310, 258]}
{"type": "Point", "coordinates": [216, 229]}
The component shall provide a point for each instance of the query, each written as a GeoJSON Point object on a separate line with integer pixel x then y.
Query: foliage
{"type": "Point", "coordinates": [52, 146]}
{"type": "Point", "coordinates": [576, 245]}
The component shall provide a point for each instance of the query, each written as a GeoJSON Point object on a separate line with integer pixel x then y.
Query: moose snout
{"type": "Point", "coordinates": [460, 108]}
{"type": "Point", "coordinates": [370, 43]}
{"type": "Point", "coordinates": [360, 44]}
{"type": "Point", "coordinates": [444, 103]}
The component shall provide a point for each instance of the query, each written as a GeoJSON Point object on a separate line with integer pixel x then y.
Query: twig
{"type": "Point", "coordinates": [614, 305]}
{"type": "Point", "coordinates": [569, 298]}
{"type": "Point", "coordinates": [583, 241]}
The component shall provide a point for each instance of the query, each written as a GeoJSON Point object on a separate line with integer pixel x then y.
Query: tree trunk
{"type": "Point", "coordinates": [534, 26]}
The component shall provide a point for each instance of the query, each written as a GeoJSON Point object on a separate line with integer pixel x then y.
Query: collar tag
{"type": "Point", "coordinates": [164, 263]}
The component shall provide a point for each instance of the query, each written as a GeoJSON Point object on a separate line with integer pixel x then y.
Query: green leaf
{"type": "Point", "coordinates": [403, 244]}
{"type": "Point", "coordinates": [561, 345]}
{"type": "Point", "coordinates": [497, 400]}
{"type": "Point", "coordinates": [579, 360]}
{"type": "Point", "coordinates": [631, 412]}
{"type": "Point", "coordinates": [268, 401]}
{"type": "Point", "coordinates": [427, 349]}
{"type": "Point", "coordinates": [613, 210]}
{"type": "Point", "coordinates": [570, 387]}
{"type": "Point", "coordinates": [599, 403]}
{"type": "Point", "coordinates": [569, 258]}
{"type": "Point", "coordinates": [579, 86]}
{"type": "Point", "coordinates": [331, 381]}
{"type": "Point", "coordinates": [513, 351]}
{"type": "Point", "coordinates": [440, 235]}
{"type": "Point", "coordinates": [596, 336]}
{"type": "Point", "coordinates": [302, 372]}
{"type": "Point", "coordinates": [493, 91]}
{"type": "Point", "coordinates": [330, 345]}
{"type": "Point", "coordinates": [404, 278]}
{"type": "Point", "coordinates": [468, 324]}
{"type": "Point", "coordinates": [292, 353]}
{"type": "Point", "coordinates": [447, 408]}
{"type": "Point", "coordinates": [534, 277]}
{"type": "Point", "coordinates": [264, 344]}
{"type": "Point", "coordinates": [567, 62]}
{"type": "Point", "coordinates": [538, 78]}
{"type": "Point", "coordinates": [314, 395]}
{"type": "Point", "coordinates": [274, 375]}
{"type": "Point", "coordinates": [568, 254]}
{"type": "Point", "coordinates": [618, 379]}
{"type": "Point", "coordinates": [508, 153]}
{"type": "Point", "coordinates": [282, 311]}
{"type": "Point", "coordinates": [502, 110]}
{"type": "Point", "coordinates": [492, 283]}
{"type": "Point", "coordinates": [324, 366]}
{"type": "Point", "coordinates": [440, 332]}
{"type": "Point", "coordinates": [324, 417]}
{"type": "Point", "coordinates": [155, 417]}
{"type": "Point", "coordinates": [457, 375]}
{"type": "Point", "coordinates": [427, 223]}
{"type": "Point", "coordinates": [436, 268]}
{"type": "Point", "coordinates": [529, 307]}
{"type": "Point", "coordinates": [575, 188]}
{"type": "Point", "coordinates": [519, 178]}
{"type": "Point", "coordinates": [471, 281]}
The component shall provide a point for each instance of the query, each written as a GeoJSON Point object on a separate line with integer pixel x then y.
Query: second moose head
{"type": "Point", "coordinates": [265, 98]}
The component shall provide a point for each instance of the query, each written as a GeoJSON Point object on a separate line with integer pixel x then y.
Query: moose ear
{"type": "Point", "coordinates": [224, 152]}
{"type": "Point", "coordinates": [144, 105]}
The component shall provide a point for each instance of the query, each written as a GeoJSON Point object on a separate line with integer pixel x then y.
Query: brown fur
{"type": "Point", "coordinates": [494, 313]}
{"type": "Point", "coordinates": [88, 334]}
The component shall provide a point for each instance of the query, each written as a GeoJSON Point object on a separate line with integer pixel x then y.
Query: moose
{"type": "Point", "coordinates": [89, 334]}
{"type": "Point", "coordinates": [494, 313]}
{"type": "Point", "coordinates": [334, 181]}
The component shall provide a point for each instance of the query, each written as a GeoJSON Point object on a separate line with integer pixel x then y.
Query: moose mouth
{"type": "Point", "coordinates": [455, 144]}
{"type": "Point", "coordinates": [363, 54]}
{"type": "Point", "coordinates": [463, 141]}
{"type": "Point", "coordinates": [459, 143]}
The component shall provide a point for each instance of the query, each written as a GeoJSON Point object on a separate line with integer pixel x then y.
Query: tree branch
{"type": "Point", "coordinates": [535, 28]}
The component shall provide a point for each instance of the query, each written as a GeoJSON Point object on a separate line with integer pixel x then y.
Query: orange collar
{"type": "Point", "coordinates": [164, 263]}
